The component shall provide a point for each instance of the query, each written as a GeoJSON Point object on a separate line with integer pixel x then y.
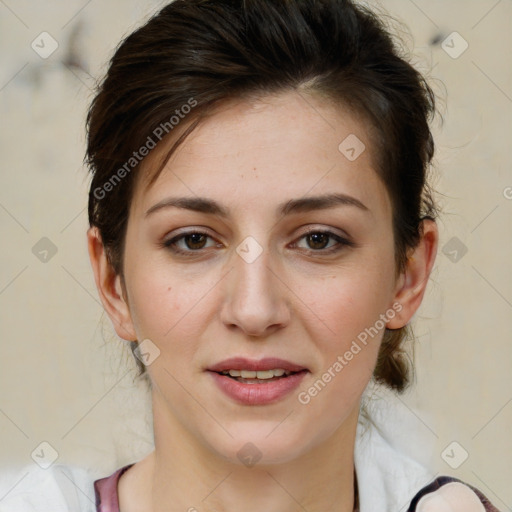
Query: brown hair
{"type": "Point", "coordinates": [196, 54]}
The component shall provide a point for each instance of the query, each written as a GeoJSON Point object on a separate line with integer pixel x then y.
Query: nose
{"type": "Point", "coordinates": [255, 299]}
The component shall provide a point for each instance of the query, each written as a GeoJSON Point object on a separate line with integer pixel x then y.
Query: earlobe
{"type": "Point", "coordinates": [109, 286]}
{"type": "Point", "coordinates": [412, 283]}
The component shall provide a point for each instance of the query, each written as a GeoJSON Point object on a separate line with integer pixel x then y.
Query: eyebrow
{"type": "Point", "coordinates": [303, 204]}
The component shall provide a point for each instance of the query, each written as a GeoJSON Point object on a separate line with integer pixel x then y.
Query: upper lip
{"type": "Point", "coordinates": [267, 363]}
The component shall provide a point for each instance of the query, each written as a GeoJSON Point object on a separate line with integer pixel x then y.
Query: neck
{"type": "Point", "coordinates": [182, 474]}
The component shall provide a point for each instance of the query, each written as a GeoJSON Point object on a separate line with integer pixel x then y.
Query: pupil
{"type": "Point", "coordinates": [195, 241]}
{"type": "Point", "coordinates": [319, 240]}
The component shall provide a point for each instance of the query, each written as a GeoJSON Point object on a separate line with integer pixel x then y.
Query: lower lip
{"type": "Point", "coordinates": [258, 394]}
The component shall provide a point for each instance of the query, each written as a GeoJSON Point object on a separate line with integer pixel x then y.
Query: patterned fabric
{"type": "Point", "coordinates": [444, 494]}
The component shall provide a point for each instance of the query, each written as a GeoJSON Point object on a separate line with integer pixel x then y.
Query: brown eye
{"type": "Point", "coordinates": [322, 242]}
{"type": "Point", "coordinates": [318, 240]}
{"type": "Point", "coordinates": [195, 240]}
{"type": "Point", "coordinates": [190, 243]}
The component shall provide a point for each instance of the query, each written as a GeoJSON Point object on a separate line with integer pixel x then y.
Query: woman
{"type": "Point", "coordinates": [262, 230]}
{"type": "Point", "coordinates": [262, 227]}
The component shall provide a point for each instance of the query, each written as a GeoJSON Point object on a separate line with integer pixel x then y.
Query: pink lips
{"type": "Point", "coordinates": [263, 393]}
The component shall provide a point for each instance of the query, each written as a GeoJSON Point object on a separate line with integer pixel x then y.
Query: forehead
{"type": "Point", "coordinates": [262, 149]}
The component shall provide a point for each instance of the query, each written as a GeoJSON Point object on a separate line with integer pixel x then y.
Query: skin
{"type": "Point", "coordinates": [294, 302]}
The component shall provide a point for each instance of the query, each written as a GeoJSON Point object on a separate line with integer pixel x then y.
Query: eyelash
{"type": "Point", "coordinates": [341, 242]}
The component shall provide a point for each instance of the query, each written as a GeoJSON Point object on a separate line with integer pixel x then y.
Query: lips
{"type": "Point", "coordinates": [257, 382]}
{"type": "Point", "coordinates": [266, 364]}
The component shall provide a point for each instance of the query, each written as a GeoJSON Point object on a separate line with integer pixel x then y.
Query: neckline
{"type": "Point", "coordinates": [107, 492]}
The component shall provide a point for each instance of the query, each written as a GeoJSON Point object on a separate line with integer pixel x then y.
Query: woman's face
{"type": "Point", "coordinates": [252, 181]}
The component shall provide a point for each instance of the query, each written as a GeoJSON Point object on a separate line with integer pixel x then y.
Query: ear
{"type": "Point", "coordinates": [412, 283]}
{"type": "Point", "coordinates": [110, 288]}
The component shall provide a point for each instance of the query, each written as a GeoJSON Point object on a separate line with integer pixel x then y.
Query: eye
{"type": "Point", "coordinates": [323, 241]}
{"type": "Point", "coordinates": [190, 242]}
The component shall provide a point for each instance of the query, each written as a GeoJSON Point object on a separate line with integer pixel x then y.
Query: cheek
{"type": "Point", "coordinates": [154, 305]}
{"type": "Point", "coordinates": [349, 343]}
{"type": "Point", "coordinates": [167, 306]}
{"type": "Point", "coordinates": [349, 302]}
{"type": "Point", "coordinates": [350, 305]}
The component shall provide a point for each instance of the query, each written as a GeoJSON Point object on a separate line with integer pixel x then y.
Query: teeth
{"type": "Point", "coordinates": [251, 374]}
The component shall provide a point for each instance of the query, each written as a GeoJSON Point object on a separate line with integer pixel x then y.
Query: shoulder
{"type": "Point", "coordinates": [59, 488]}
{"type": "Point", "coordinates": [451, 495]}
{"type": "Point", "coordinates": [392, 471]}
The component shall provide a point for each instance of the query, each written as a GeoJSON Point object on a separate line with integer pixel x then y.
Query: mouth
{"type": "Point", "coordinates": [257, 382]}
{"type": "Point", "coordinates": [258, 377]}
{"type": "Point", "coordinates": [262, 369]}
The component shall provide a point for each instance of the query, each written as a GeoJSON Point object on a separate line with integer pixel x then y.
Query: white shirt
{"type": "Point", "coordinates": [387, 477]}
{"type": "Point", "coordinates": [59, 488]}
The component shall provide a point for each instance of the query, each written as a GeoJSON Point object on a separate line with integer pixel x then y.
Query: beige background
{"type": "Point", "coordinates": [65, 378]}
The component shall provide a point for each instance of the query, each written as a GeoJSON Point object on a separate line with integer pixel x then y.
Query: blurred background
{"type": "Point", "coordinates": [65, 379]}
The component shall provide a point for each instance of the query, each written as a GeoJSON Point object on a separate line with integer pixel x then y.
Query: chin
{"type": "Point", "coordinates": [251, 446]}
